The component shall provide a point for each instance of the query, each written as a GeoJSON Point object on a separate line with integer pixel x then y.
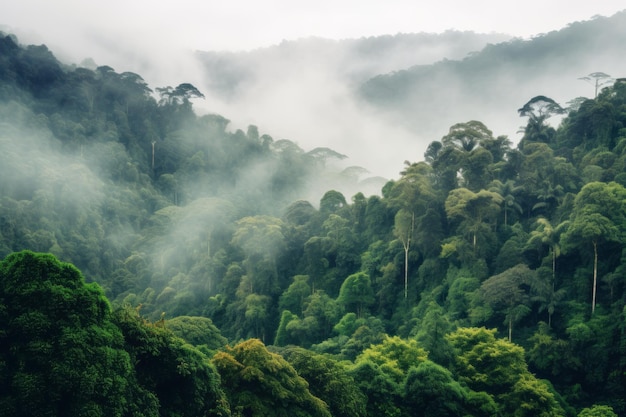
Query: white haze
{"type": "Point", "coordinates": [308, 100]}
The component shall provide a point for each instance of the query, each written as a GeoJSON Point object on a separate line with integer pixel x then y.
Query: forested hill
{"type": "Point", "coordinates": [489, 84]}
{"type": "Point", "coordinates": [351, 60]}
{"type": "Point", "coordinates": [486, 280]}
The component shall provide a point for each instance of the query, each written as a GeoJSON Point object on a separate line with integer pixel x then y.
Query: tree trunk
{"type": "Point", "coordinates": [407, 245]}
{"type": "Point", "coordinates": [474, 242]}
{"type": "Point", "coordinates": [595, 276]}
{"type": "Point", "coordinates": [553, 285]}
{"type": "Point", "coordinates": [406, 271]}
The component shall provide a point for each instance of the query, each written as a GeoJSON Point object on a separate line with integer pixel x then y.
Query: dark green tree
{"type": "Point", "coordinates": [328, 380]}
{"type": "Point", "coordinates": [598, 218]}
{"type": "Point", "coordinates": [60, 353]}
{"type": "Point", "coordinates": [356, 293]}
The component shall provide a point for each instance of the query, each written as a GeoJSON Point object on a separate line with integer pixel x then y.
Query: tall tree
{"type": "Point", "coordinates": [538, 110]}
{"type": "Point", "coordinates": [473, 211]}
{"type": "Point", "coordinates": [467, 136]}
{"type": "Point", "coordinates": [597, 79]}
{"type": "Point", "coordinates": [508, 289]}
{"type": "Point", "coordinates": [412, 195]}
{"type": "Point", "coordinates": [598, 217]}
{"type": "Point", "coordinates": [548, 235]}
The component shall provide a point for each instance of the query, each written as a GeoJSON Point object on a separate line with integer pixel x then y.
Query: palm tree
{"type": "Point", "coordinates": [507, 190]}
{"type": "Point", "coordinates": [545, 234]}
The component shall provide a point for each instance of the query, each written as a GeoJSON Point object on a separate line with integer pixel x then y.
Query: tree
{"type": "Point", "coordinates": [507, 191]}
{"type": "Point", "coordinates": [293, 297]}
{"type": "Point", "coordinates": [261, 383]}
{"type": "Point", "coordinates": [331, 202]}
{"type": "Point", "coordinates": [328, 380]}
{"type": "Point", "coordinates": [597, 79]}
{"type": "Point", "coordinates": [356, 293]}
{"type": "Point", "coordinates": [262, 239]}
{"type": "Point", "coordinates": [404, 228]}
{"type": "Point", "coordinates": [324, 312]}
{"type": "Point", "coordinates": [431, 389]}
{"type": "Point", "coordinates": [382, 392]}
{"type": "Point", "coordinates": [538, 110]}
{"type": "Point", "coordinates": [412, 194]}
{"type": "Point", "coordinates": [431, 334]}
{"type": "Point", "coordinates": [597, 411]}
{"type": "Point", "coordinates": [546, 234]}
{"type": "Point", "coordinates": [598, 217]}
{"type": "Point", "coordinates": [472, 210]}
{"type": "Point", "coordinates": [198, 331]}
{"type": "Point", "coordinates": [394, 357]}
{"type": "Point", "coordinates": [179, 95]}
{"type": "Point", "coordinates": [60, 353]}
{"type": "Point", "coordinates": [508, 289]}
{"type": "Point", "coordinates": [179, 377]}
{"type": "Point", "coordinates": [498, 367]}
{"type": "Point", "coordinates": [467, 136]}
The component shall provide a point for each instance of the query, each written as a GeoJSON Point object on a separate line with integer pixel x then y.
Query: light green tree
{"type": "Point", "coordinates": [261, 383]}
{"type": "Point", "coordinates": [597, 411]}
{"type": "Point", "coordinates": [474, 212]}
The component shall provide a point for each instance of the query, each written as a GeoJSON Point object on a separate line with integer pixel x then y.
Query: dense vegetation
{"type": "Point", "coordinates": [486, 280]}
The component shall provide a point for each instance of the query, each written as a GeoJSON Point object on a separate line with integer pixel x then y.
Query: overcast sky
{"type": "Point", "coordinates": [249, 24]}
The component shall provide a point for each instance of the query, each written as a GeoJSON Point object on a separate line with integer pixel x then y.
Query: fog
{"type": "Point", "coordinates": [306, 90]}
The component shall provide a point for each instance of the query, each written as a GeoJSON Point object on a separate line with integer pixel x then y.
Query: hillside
{"type": "Point", "coordinates": [492, 83]}
{"type": "Point", "coordinates": [304, 90]}
{"type": "Point", "coordinates": [216, 271]}
{"type": "Point", "coordinates": [352, 60]}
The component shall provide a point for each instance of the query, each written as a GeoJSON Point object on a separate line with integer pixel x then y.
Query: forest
{"type": "Point", "coordinates": [157, 263]}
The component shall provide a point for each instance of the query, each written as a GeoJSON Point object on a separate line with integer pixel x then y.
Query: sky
{"type": "Point", "coordinates": [154, 38]}
{"type": "Point", "coordinates": [249, 24]}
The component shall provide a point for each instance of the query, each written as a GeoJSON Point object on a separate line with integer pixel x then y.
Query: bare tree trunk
{"type": "Point", "coordinates": [595, 276]}
{"type": "Point", "coordinates": [406, 270]}
{"type": "Point", "coordinates": [407, 245]}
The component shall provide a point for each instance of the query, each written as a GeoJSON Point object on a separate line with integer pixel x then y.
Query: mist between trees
{"type": "Point", "coordinates": [229, 274]}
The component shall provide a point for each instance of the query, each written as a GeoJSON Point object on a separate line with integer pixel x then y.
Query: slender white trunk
{"type": "Point", "coordinates": [595, 276]}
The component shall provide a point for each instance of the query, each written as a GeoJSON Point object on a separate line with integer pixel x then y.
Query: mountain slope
{"type": "Point", "coordinates": [490, 85]}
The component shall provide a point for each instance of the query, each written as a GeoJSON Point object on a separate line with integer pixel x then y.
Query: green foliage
{"type": "Point", "coordinates": [174, 213]}
{"type": "Point", "coordinates": [173, 375]}
{"type": "Point", "coordinates": [498, 368]}
{"type": "Point", "coordinates": [597, 411]}
{"type": "Point", "coordinates": [432, 389]}
{"type": "Point", "coordinates": [258, 382]}
{"type": "Point", "coordinates": [382, 392]}
{"type": "Point", "coordinates": [328, 380]}
{"type": "Point", "coordinates": [394, 356]}
{"type": "Point", "coordinates": [60, 354]}
{"type": "Point", "coordinates": [356, 293]}
{"type": "Point", "coordinates": [198, 331]}
{"type": "Point", "coordinates": [508, 290]}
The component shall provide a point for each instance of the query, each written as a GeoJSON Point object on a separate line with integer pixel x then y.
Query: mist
{"type": "Point", "coordinates": [307, 90]}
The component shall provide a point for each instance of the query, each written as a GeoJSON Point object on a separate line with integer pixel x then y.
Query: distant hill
{"type": "Point", "coordinates": [304, 90]}
{"type": "Point", "coordinates": [352, 59]}
{"type": "Point", "coordinates": [491, 84]}
{"type": "Point", "coordinates": [382, 100]}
